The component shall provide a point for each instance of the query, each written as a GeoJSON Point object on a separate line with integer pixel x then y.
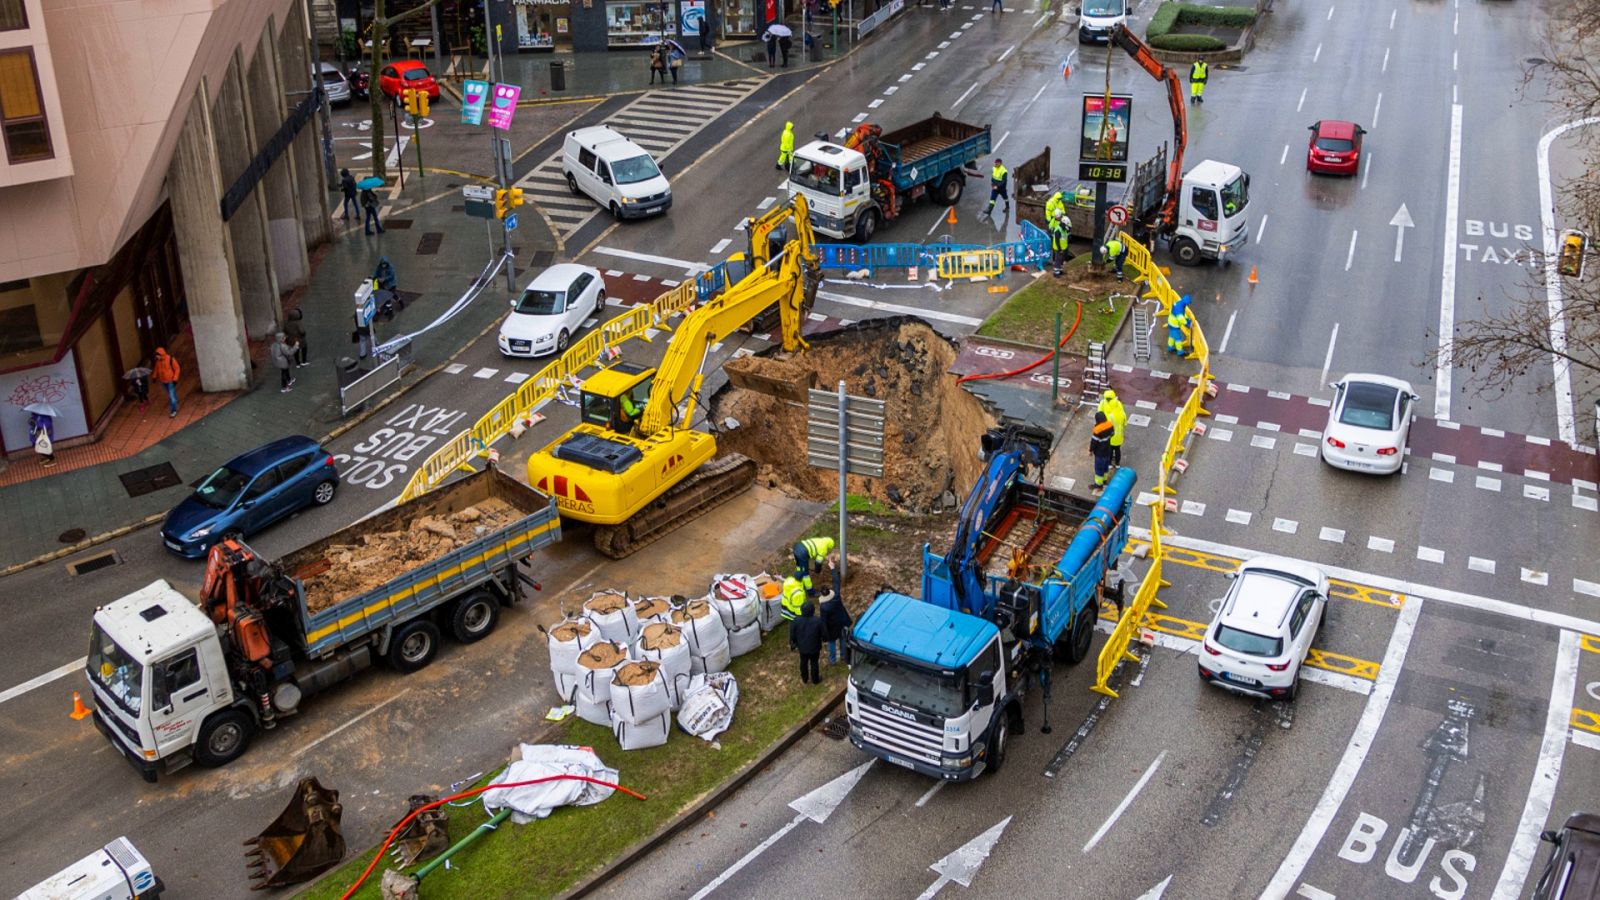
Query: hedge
{"type": "Point", "coordinates": [1170, 15]}
{"type": "Point", "coordinates": [1189, 43]}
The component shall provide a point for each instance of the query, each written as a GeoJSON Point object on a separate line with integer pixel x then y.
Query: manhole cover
{"type": "Point", "coordinates": [72, 535]}
{"type": "Point", "coordinates": [429, 244]}
{"type": "Point", "coordinates": [397, 224]}
{"type": "Point", "coordinates": [151, 478]}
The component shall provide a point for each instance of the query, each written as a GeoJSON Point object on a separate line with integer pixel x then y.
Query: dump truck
{"type": "Point", "coordinates": [175, 681]}
{"type": "Point", "coordinates": [855, 186]}
{"type": "Point", "coordinates": [1035, 186]}
{"type": "Point", "coordinates": [937, 685]}
{"type": "Point", "coordinates": [117, 871]}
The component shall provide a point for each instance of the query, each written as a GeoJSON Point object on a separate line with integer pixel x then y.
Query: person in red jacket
{"type": "Point", "coordinates": [166, 373]}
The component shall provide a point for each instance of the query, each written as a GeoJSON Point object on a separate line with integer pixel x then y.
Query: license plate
{"type": "Point", "coordinates": [1240, 679]}
{"type": "Point", "coordinates": [173, 545]}
{"type": "Point", "coordinates": [903, 763]}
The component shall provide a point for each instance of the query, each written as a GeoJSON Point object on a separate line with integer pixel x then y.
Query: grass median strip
{"type": "Point", "coordinates": [1029, 317]}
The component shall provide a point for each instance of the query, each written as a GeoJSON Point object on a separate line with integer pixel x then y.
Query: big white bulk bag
{"type": "Point", "coordinates": [744, 639]}
{"type": "Point", "coordinates": [700, 624]}
{"type": "Point", "coordinates": [769, 591]}
{"type": "Point", "coordinates": [666, 645]}
{"type": "Point", "coordinates": [614, 615]}
{"type": "Point", "coordinates": [638, 736]}
{"type": "Point", "coordinates": [735, 599]}
{"type": "Point", "coordinates": [714, 659]}
{"type": "Point", "coordinates": [708, 704]}
{"type": "Point", "coordinates": [652, 609]}
{"type": "Point", "coordinates": [638, 693]}
{"type": "Point", "coordinates": [565, 641]}
{"type": "Point", "coordinates": [597, 666]}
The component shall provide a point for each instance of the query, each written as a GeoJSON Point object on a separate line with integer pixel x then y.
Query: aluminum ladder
{"type": "Point", "coordinates": [1141, 332]}
{"type": "Point", "coordinates": [1096, 378]}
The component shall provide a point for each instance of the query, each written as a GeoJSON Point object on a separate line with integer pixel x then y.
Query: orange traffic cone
{"type": "Point", "coordinates": [952, 217]}
{"type": "Point", "coordinates": [79, 711]}
{"type": "Point", "coordinates": [1252, 274]}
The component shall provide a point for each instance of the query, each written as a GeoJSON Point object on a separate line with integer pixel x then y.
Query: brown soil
{"type": "Point", "coordinates": [694, 609]}
{"type": "Point", "coordinates": [660, 636]}
{"type": "Point", "coordinates": [357, 568]}
{"type": "Point", "coordinates": [635, 674]}
{"type": "Point", "coordinates": [571, 631]}
{"type": "Point", "coordinates": [651, 606]}
{"type": "Point", "coordinates": [606, 602]}
{"type": "Point", "coordinates": [604, 655]}
{"type": "Point", "coordinates": [930, 436]}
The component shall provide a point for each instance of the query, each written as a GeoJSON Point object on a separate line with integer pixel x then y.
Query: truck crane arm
{"type": "Point", "coordinates": [1146, 58]}
{"type": "Point", "coordinates": [1009, 451]}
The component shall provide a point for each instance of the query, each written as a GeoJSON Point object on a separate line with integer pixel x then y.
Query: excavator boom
{"type": "Point", "coordinates": [1141, 53]}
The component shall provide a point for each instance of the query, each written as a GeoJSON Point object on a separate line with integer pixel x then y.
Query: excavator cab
{"type": "Point", "coordinates": [614, 398]}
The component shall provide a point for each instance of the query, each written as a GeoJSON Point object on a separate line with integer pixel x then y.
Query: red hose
{"type": "Point", "coordinates": [1036, 363]}
{"type": "Point", "coordinates": [477, 790]}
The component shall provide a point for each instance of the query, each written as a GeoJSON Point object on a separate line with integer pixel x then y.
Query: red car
{"type": "Point", "coordinates": [1335, 147]}
{"type": "Point", "coordinates": [407, 73]}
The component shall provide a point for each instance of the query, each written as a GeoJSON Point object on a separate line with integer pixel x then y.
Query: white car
{"type": "Point", "coordinates": [1369, 423]}
{"type": "Point", "coordinates": [552, 308]}
{"type": "Point", "coordinates": [335, 83]}
{"type": "Point", "coordinates": [617, 173]}
{"type": "Point", "coordinates": [1264, 627]}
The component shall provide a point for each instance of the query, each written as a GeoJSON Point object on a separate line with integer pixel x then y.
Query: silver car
{"type": "Point", "coordinates": [334, 82]}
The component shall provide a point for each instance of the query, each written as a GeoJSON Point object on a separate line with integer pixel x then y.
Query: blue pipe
{"type": "Point", "coordinates": [1113, 503]}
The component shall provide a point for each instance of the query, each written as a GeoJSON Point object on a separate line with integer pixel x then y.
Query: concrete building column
{"type": "Point", "coordinates": [252, 247]}
{"type": "Point", "coordinates": [311, 175]}
{"type": "Point", "coordinates": [267, 112]}
{"type": "Point", "coordinates": [205, 252]}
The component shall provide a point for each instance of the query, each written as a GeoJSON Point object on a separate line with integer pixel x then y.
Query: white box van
{"type": "Point", "coordinates": [617, 173]}
{"type": "Point", "coordinates": [1097, 19]}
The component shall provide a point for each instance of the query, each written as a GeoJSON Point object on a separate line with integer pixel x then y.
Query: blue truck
{"type": "Point", "coordinates": [856, 185]}
{"type": "Point", "coordinates": [937, 685]}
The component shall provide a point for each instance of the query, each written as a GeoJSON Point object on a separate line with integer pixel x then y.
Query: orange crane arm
{"type": "Point", "coordinates": [1141, 53]}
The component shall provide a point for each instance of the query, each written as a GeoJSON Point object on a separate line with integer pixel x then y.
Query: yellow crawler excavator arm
{"type": "Point", "coordinates": [631, 466]}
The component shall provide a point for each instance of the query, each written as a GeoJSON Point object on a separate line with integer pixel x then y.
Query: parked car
{"type": "Point", "coordinates": [335, 83]}
{"type": "Point", "coordinates": [1369, 423]}
{"type": "Point", "coordinates": [1264, 627]}
{"type": "Point", "coordinates": [251, 492]}
{"type": "Point", "coordinates": [617, 173]}
{"type": "Point", "coordinates": [1573, 870]}
{"type": "Point", "coordinates": [1335, 147]}
{"type": "Point", "coordinates": [407, 73]}
{"type": "Point", "coordinates": [552, 308]}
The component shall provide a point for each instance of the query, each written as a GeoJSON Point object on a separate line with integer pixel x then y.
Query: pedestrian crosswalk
{"type": "Point", "coordinates": [659, 121]}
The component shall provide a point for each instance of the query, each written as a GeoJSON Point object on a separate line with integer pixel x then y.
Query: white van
{"type": "Point", "coordinates": [615, 172]}
{"type": "Point", "coordinates": [1097, 19]}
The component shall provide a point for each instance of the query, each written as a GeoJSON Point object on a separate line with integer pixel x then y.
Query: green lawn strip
{"type": "Point", "coordinates": [546, 857]}
{"type": "Point", "coordinates": [1172, 15]}
{"type": "Point", "coordinates": [853, 504]}
{"type": "Point", "coordinates": [1029, 317]}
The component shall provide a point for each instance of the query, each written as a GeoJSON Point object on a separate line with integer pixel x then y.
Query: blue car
{"type": "Point", "coordinates": [251, 492]}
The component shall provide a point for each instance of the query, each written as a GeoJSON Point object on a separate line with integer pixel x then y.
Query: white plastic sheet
{"type": "Point", "coordinates": [708, 705]}
{"type": "Point", "coordinates": [535, 801]}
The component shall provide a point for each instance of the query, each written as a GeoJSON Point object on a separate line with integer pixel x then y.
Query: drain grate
{"type": "Point", "coordinates": [429, 244]}
{"type": "Point", "coordinates": [397, 224]}
{"type": "Point", "coordinates": [837, 728]}
{"type": "Point", "coordinates": [94, 563]}
{"type": "Point", "coordinates": [459, 207]}
{"type": "Point", "coordinates": [151, 478]}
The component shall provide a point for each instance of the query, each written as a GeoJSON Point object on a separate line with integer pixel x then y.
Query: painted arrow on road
{"type": "Point", "coordinates": [1157, 892]}
{"type": "Point", "coordinates": [961, 865]}
{"type": "Point", "coordinates": [1401, 221]}
{"type": "Point", "coordinates": [815, 806]}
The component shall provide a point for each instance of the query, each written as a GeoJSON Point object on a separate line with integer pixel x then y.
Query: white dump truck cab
{"type": "Point", "coordinates": [157, 674]}
{"type": "Point", "coordinates": [1213, 213]}
{"type": "Point", "coordinates": [117, 871]}
{"type": "Point", "coordinates": [834, 181]}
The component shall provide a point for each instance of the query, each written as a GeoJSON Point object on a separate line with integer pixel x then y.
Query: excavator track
{"type": "Point", "coordinates": [712, 484]}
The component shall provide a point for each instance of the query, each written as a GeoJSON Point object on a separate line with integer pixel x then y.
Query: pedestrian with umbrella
{"type": "Point", "coordinates": [675, 56]}
{"type": "Point", "coordinates": [42, 431]}
{"type": "Point", "coordinates": [369, 202]}
{"type": "Point", "coordinates": [781, 35]}
{"type": "Point", "coordinates": [138, 379]}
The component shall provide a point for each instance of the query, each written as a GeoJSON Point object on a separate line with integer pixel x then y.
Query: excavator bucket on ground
{"type": "Point", "coordinates": [304, 841]}
{"type": "Point", "coordinates": [774, 377]}
{"type": "Point", "coordinates": [424, 836]}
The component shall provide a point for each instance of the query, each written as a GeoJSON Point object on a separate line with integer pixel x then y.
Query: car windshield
{"type": "Point", "coordinates": [1368, 406]}
{"type": "Point", "coordinates": [114, 670]}
{"type": "Point", "coordinates": [924, 689]}
{"type": "Point", "coordinates": [1335, 145]}
{"type": "Point", "coordinates": [221, 488]}
{"type": "Point", "coordinates": [1248, 642]}
{"type": "Point", "coordinates": [417, 74]}
{"type": "Point", "coordinates": [634, 170]}
{"type": "Point", "coordinates": [331, 77]}
{"type": "Point", "coordinates": [817, 176]}
{"type": "Point", "coordinates": [541, 303]}
{"type": "Point", "coordinates": [1103, 7]}
{"type": "Point", "coordinates": [1236, 195]}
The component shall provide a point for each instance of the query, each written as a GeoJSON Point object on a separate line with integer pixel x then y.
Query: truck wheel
{"type": "Point", "coordinates": [951, 187]}
{"type": "Point", "coordinates": [474, 616]}
{"type": "Point", "coordinates": [867, 226]}
{"type": "Point", "coordinates": [413, 646]}
{"type": "Point", "coordinates": [997, 745]}
{"type": "Point", "coordinates": [1082, 636]}
{"type": "Point", "coordinates": [1185, 252]}
{"type": "Point", "coordinates": [223, 738]}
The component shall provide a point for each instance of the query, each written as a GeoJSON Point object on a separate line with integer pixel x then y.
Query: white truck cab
{"type": "Point", "coordinates": [1213, 213]}
{"type": "Point", "coordinates": [117, 871]}
{"type": "Point", "coordinates": [834, 181]}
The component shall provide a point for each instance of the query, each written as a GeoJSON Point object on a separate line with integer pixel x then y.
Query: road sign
{"type": "Point", "coordinates": [511, 222]}
{"type": "Point", "coordinates": [366, 306]}
{"type": "Point", "coordinates": [477, 192]}
{"type": "Point", "coordinates": [1118, 215]}
{"type": "Point", "coordinates": [480, 209]}
{"type": "Point", "coordinates": [845, 433]}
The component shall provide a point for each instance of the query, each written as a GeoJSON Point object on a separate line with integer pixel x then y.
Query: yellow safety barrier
{"type": "Point", "coordinates": [972, 263]}
{"type": "Point", "coordinates": [461, 449]}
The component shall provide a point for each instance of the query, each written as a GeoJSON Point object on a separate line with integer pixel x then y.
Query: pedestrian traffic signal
{"type": "Point", "coordinates": [1572, 247]}
{"type": "Point", "coordinates": [409, 98]}
{"type": "Point", "coordinates": [502, 203]}
{"type": "Point", "coordinates": [516, 197]}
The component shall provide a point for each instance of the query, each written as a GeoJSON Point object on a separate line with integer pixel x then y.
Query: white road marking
{"type": "Point", "coordinates": [1385, 59]}
{"type": "Point", "coordinates": [906, 77]}
{"type": "Point", "coordinates": [687, 266]}
{"type": "Point", "coordinates": [1262, 442]}
{"type": "Point", "coordinates": [1555, 306]}
{"type": "Point", "coordinates": [1455, 60]}
{"type": "Point", "coordinates": [1486, 483]}
{"type": "Point", "coordinates": [1193, 508]}
{"type": "Point", "coordinates": [1443, 365]}
{"type": "Point", "coordinates": [517, 377]}
{"type": "Point", "coordinates": [766, 202]}
{"type": "Point", "coordinates": [1479, 564]}
{"type": "Point", "coordinates": [1366, 172]}
{"type": "Point", "coordinates": [1287, 526]}
{"type": "Point", "coordinates": [1318, 54]}
{"type": "Point", "coordinates": [1311, 892]}
{"type": "Point", "coordinates": [1268, 426]}
{"type": "Point", "coordinates": [1447, 458]}
{"type": "Point", "coordinates": [963, 98]}
{"type": "Point", "coordinates": [1375, 110]}
{"type": "Point", "coordinates": [1535, 576]}
{"type": "Point", "coordinates": [13, 693]}
{"type": "Point", "coordinates": [923, 800]}
{"type": "Point", "coordinates": [1036, 95]}
{"type": "Point", "coordinates": [1581, 502]}
{"type": "Point", "coordinates": [1331, 535]}
{"type": "Point", "coordinates": [919, 67]}
{"type": "Point", "coordinates": [1355, 753]}
{"type": "Point", "coordinates": [1126, 802]}
{"type": "Point", "coordinates": [1330, 13]}
{"type": "Point", "coordinates": [1285, 154]}
{"type": "Point", "coordinates": [859, 118]}
{"type": "Point", "coordinates": [1589, 588]}
{"type": "Point", "coordinates": [1305, 450]}
{"type": "Point", "coordinates": [1444, 475]}
{"type": "Point", "coordinates": [1536, 492]}
{"type": "Point", "coordinates": [485, 373]}
{"type": "Point", "coordinates": [455, 368]}
{"type": "Point", "coordinates": [1302, 103]}
{"type": "Point", "coordinates": [1238, 516]}
{"type": "Point", "coordinates": [308, 748]}
{"type": "Point", "coordinates": [1228, 332]}
{"type": "Point", "coordinates": [1586, 739]}
{"type": "Point", "coordinates": [1350, 255]}
{"type": "Point", "coordinates": [1519, 859]}
{"type": "Point", "coordinates": [1327, 359]}
{"type": "Point", "coordinates": [1429, 554]}
{"type": "Point", "coordinates": [1382, 545]}
{"type": "Point", "coordinates": [720, 246]}
{"type": "Point", "coordinates": [1219, 434]}
{"type": "Point", "coordinates": [1006, 54]}
{"type": "Point", "coordinates": [1391, 18]}
{"type": "Point", "coordinates": [1263, 226]}
{"type": "Point", "coordinates": [934, 314]}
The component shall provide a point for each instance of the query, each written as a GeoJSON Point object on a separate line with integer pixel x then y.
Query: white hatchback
{"type": "Point", "coordinates": [1369, 423]}
{"type": "Point", "coordinates": [1264, 627]}
{"type": "Point", "coordinates": [552, 308]}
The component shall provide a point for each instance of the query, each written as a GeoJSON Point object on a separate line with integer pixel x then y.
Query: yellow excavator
{"type": "Point", "coordinates": [632, 466]}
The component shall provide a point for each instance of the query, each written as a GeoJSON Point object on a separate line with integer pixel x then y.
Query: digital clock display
{"type": "Point", "coordinates": [1111, 172]}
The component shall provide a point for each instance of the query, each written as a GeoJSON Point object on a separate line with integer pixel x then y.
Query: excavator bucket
{"type": "Point", "coordinates": [774, 377]}
{"type": "Point", "coordinates": [424, 836]}
{"type": "Point", "coordinates": [301, 843]}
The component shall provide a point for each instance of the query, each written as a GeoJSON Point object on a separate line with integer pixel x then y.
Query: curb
{"type": "Point", "coordinates": [644, 847]}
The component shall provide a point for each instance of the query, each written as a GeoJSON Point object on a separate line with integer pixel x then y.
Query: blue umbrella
{"type": "Point", "coordinates": [371, 181]}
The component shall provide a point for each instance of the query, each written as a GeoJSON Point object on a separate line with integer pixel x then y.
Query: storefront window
{"type": "Point", "coordinates": [636, 24]}
{"type": "Point", "coordinates": [739, 18]}
{"type": "Point", "coordinates": [541, 24]}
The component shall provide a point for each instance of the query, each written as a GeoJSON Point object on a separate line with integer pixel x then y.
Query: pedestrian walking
{"type": "Point", "coordinates": [347, 187]}
{"type": "Point", "coordinates": [166, 372]}
{"type": "Point", "coordinates": [1179, 320]}
{"type": "Point", "coordinates": [1060, 243]}
{"type": "Point", "coordinates": [805, 636]}
{"type": "Point", "coordinates": [658, 64]}
{"type": "Point", "coordinates": [1118, 416]}
{"type": "Point", "coordinates": [369, 203]}
{"type": "Point", "coordinates": [42, 432]}
{"type": "Point", "coordinates": [785, 44]}
{"type": "Point", "coordinates": [295, 328]}
{"type": "Point", "coordinates": [997, 7]}
{"type": "Point", "coordinates": [835, 621]}
{"type": "Point", "coordinates": [675, 57]}
{"type": "Point", "coordinates": [771, 40]}
{"type": "Point", "coordinates": [791, 599]}
{"type": "Point", "coordinates": [282, 359]}
{"type": "Point", "coordinates": [1198, 73]}
{"type": "Point", "coordinates": [1116, 253]}
{"type": "Point", "coordinates": [138, 379]}
{"type": "Point", "coordinates": [809, 556]}
{"type": "Point", "coordinates": [1100, 449]}
{"type": "Point", "coordinates": [999, 181]}
{"type": "Point", "coordinates": [708, 30]}
{"type": "Point", "coordinates": [785, 146]}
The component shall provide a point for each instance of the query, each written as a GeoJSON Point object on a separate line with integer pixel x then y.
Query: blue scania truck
{"type": "Point", "coordinates": [937, 685]}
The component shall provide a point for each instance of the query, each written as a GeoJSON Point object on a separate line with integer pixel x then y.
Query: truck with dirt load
{"type": "Point", "coordinates": [937, 685]}
{"type": "Point", "coordinates": [175, 681]}
{"type": "Point", "coordinates": [855, 186]}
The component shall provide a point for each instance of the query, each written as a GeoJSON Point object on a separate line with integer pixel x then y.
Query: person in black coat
{"type": "Point", "coordinates": [805, 636]}
{"type": "Point", "coordinates": [835, 618]}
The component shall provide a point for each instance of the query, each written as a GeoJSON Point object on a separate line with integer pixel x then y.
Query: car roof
{"type": "Point", "coordinates": [1336, 128]}
{"type": "Point", "coordinates": [1260, 600]}
{"type": "Point", "coordinates": [560, 276]}
{"type": "Point", "coordinates": [402, 65]}
{"type": "Point", "coordinates": [1396, 383]}
{"type": "Point", "coordinates": [922, 631]}
{"type": "Point", "coordinates": [268, 455]}
{"type": "Point", "coordinates": [608, 143]}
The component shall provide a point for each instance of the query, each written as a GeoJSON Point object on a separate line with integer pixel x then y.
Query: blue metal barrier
{"type": "Point", "coordinates": [1033, 249]}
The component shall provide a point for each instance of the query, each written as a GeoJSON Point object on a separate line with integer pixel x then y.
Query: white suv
{"type": "Point", "coordinates": [1264, 627]}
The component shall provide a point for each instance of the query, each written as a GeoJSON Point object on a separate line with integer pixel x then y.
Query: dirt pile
{"type": "Point", "coordinates": [355, 568]}
{"type": "Point", "coordinates": [930, 437]}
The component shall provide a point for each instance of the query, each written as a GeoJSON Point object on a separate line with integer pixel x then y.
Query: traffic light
{"type": "Point", "coordinates": [409, 97]}
{"type": "Point", "coordinates": [422, 103]}
{"type": "Point", "coordinates": [1572, 247]}
{"type": "Point", "coordinates": [515, 199]}
{"type": "Point", "coordinates": [502, 203]}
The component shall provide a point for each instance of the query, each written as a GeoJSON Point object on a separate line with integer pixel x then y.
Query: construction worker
{"type": "Point", "coordinates": [1060, 237]}
{"type": "Point", "coordinates": [786, 146]}
{"type": "Point", "coordinates": [1100, 449]}
{"type": "Point", "coordinates": [999, 178]}
{"type": "Point", "coordinates": [1055, 206]}
{"type": "Point", "coordinates": [1118, 416]}
{"type": "Point", "coordinates": [1197, 81]}
{"type": "Point", "coordinates": [793, 599]}
{"type": "Point", "coordinates": [809, 555]}
{"type": "Point", "coordinates": [1178, 322]}
{"type": "Point", "coordinates": [1116, 253]}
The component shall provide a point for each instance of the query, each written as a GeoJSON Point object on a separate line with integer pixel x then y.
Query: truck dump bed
{"type": "Point", "coordinates": [408, 559]}
{"type": "Point", "coordinates": [924, 150]}
{"type": "Point", "coordinates": [1035, 184]}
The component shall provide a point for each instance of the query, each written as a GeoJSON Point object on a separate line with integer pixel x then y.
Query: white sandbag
{"type": "Point", "coordinates": [566, 684]}
{"type": "Point", "coordinates": [567, 638]}
{"type": "Point", "coordinates": [666, 645]}
{"type": "Point", "coordinates": [597, 667]}
{"type": "Point", "coordinates": [652, 609]}
{"type": "Point", "coordinates": [614, 615]}
{"type": "Point", "coordinates": [638, 693]}
{"type": "Point", "coordinates": [640, 735]}
{"type": "Point", "coordinates": [744, 639]}
{"type": "Point", "coordinates": [715, 659]}
{"type": "Point", "coordinates": [735, 599]}
{"type": "Point", "coordinates": [535, 801]}
{"type": "Point", "coordinates": [708, 704]}
{"type": "Point", "coordinates": [769, 593]}
{"type": "Point", "coordinates": [700, 624]}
